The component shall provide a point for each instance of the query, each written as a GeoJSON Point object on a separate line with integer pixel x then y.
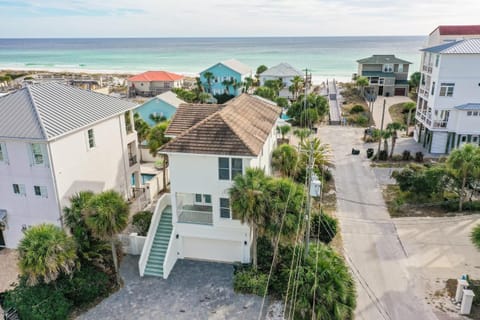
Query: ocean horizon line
{"type": "Point", "coordinates": [215, 37]}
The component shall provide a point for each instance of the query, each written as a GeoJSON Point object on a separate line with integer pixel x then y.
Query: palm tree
{"type": "Point", "coordinates": [284, 130]}
{"type": "Point", "coordinates": [284, 159]}
{"type": "Point", "coordinates": [45, 252]}
{"type": "Point", "coordinates": [89, 248]}
{"type": "Point", "coordinates": [106, 215]}
{"type": "Point", "coordinates": [332, 289]}
{"type": "Point", "coordinates": [302, 133]}
{"type": "Point", "coordinates": [248, 200]}
{"type": "Point", "coordinates": [248, 83]}
{"type": "Point", "coordinates": [157, 118]}
{"type": "Point", "coordinates": [284, 208]}
{"type": "Point", "coordinates": [362, 82]}
{"type": "Point", "coordinates": [393, 129]}
{"type": "Point", "coordinates": [156, 139]}
{"type": "Point", "coordinates": [476, 236]}
{"type": "Point", "coordinates": [297, 84]}
{"type": "Point", "coordinates": [464, 163]}
{"type": "Point", "coordinates": [321, 152]}
{"type": "Point", "coordinates": [209, 77]}
{"type": "Point", "coordinates": [410, 106]}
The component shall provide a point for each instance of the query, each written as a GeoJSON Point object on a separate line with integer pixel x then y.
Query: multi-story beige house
{"type": "Point", "coordinates": [387, 74]}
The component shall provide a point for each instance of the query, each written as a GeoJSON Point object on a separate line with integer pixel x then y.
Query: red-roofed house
{"type": "Point", "coordinates": [443, 34]}
{"type": "Point", "coordinates": [152, 83]}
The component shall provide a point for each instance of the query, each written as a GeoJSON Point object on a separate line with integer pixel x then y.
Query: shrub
{"type": "Point", "coordinates": [419, 156]}
{"type": "Point", "coordinates": [362, 120]}
{"type": "Point", "coordinates": [452, 205]}
{"type": "Point", "coordinates": [250, 281]}
{"type": "Point", "coordinates": [406, 155]}
{"type": "Point", "coordinates": [85, 286]}
{"type": "Point", "coordinates": [357, 109]}
{"type": "Point", "coordinates": [397, 157]}
{"type": "Point", "coordinates": [141, 222]}
{"type": "Point", "coordinates": [476, 236]}
{"type": "Point", "coordinates": [383, 155]}
{"type": "Point", "coordinates": [324, 227]}
{"type": "Point", "coordinates": [38, 302]}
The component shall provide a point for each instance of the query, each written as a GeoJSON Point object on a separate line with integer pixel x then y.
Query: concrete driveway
{"type": "Point", "coordinates": [386, 287]}
{"type": "Point", "coordinates": [194, 290]}
{"type": "Point", "coordinates": [378, 107]}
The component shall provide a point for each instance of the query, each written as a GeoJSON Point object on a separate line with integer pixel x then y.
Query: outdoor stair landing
{"type": "Point", "coordinates": [160, 244]}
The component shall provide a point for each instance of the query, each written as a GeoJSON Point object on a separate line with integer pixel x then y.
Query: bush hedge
{"type": "Point", "coordinates": [141, 222]}
{"type": "Point", "coordinates": [324, 227]}
{"type": "Point", "coordinates": [56, 299]}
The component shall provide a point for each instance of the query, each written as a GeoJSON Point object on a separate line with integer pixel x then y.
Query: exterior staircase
{"type": "Point", "coordinates": [157, 254]}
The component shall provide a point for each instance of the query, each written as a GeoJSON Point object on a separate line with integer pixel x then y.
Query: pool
{"type": "Point", "coordinates": [145, 178]}
{"type": "Point", "coordinates": [284, 116]}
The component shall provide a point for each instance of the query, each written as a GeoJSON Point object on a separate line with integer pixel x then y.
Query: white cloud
{"type": "Point", "coordinates": [150, 18]}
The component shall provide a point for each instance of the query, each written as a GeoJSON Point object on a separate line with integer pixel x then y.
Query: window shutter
{"type": "Point", "coordinates": [43, 191]}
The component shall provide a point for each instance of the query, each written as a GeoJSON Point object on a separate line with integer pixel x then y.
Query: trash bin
{"type": "Point", "coordinates": [370, 152]}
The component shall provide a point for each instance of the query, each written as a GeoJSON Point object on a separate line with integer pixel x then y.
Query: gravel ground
{"type": "Point", "coordinates": [194, 290]}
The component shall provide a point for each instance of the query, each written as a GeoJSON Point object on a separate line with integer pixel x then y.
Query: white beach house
{"type": "Point", "coordinates": [283, 72]}
{"type": "Point", "coordinates": [212, 144]}
{"type": "Point", "coordinates": [448, 106]}
{"type": "Point", "coordinates": [56, 140]}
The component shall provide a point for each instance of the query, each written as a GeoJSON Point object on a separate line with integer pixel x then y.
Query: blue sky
{"type": "Point", "coordinates": [170, 18]}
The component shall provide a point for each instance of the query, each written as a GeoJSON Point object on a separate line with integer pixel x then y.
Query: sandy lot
{"type": "Point", "coordinates": [439, 249]}
{"type": "Point", "coordinates": [8, 266]}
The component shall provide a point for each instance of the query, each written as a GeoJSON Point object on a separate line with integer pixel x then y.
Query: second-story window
{"type": "Point", "coordinates": [446, 89]}
{"type": "Point", "coordinates": [223, 168]}
{"type": "Point", "coordinates": [38, 154]}
{"type": "Point", "coordinates": [3, 153]}
{"type": "Point", "coordinates": [229, 168]}
{"type": "Point", "coordinates": [388, 67]}
{"type": "Point", "coordinates": [40, 191]}
{"type": "Point", "coordinates": [19, 189]}
{"type": "Point", "coordinates": [224, 208]}
{"type": "Point", "coordinates": [91, 138]}
{"type": "Point", "coordinates": [433, 88]}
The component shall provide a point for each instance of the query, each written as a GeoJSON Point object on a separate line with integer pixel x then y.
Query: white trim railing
{"type": "Point", "coordinates": [164, 201]}
{"type": "Point", "coordinates": [170, 255]}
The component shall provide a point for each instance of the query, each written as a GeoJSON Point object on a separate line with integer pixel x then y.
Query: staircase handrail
{"type": "Point", "coordinates": [152, 230]}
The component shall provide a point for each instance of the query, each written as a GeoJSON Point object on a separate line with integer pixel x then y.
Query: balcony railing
{"type": "Point", "coordinates": [440, 124]}
{"type": "Point", "coordinates": [427, 68]}
{"type": "Point", "coordinates": [195, 214]}
{"type": "Point", "coordinates": [132, 160]}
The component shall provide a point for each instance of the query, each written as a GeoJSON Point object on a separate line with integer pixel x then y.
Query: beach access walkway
{"type": "Point", "coordinates": [334, 106]}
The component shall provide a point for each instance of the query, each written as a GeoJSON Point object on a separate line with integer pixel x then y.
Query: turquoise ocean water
{"type": "Point", "coordinates": [325, 56]}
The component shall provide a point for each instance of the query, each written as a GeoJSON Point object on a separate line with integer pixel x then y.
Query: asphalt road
{"type": "Point", "coordinates": [373, 248]}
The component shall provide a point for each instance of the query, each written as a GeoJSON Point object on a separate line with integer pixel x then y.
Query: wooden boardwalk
{"type": "Point", "coordinates": [335, 111]}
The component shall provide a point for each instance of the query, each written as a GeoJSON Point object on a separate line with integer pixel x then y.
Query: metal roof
{"type": "Point", "coordinates": [18, 119]}
{"type": "Point", "coordinates": [170, 98]}
{"type": "Point", "coordinates": [467, 46]}
{"type": "Point", "coordinates": [237, 66]}
{"type": "Point", "coordinates": [49, 110]}
{"type": "Point", "coordinates": [468, 106]}
{"type": "Point", "coordinates": [281, 70]}
{"type": "Point", "coordinates": [382, 59]}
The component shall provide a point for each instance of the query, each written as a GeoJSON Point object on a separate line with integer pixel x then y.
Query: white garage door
{"type": "Point", "coordinates": [216, 250]}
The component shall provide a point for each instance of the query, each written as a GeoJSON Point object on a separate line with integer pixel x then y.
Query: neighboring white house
{"type": "Point", "coordinates": [443, 34]}
{"type": "Point", "coordinates": [209, 148]}
{"type": "Point", "coordinates": [283, 72]}
{"type": "Point", "coordinates": [448, 106]}
{"type": "Point", "coordinates": [152, 83]}
{"type": "Point", "coordinates": [57, 140]}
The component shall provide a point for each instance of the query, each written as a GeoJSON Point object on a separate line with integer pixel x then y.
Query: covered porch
{"type": "Point", "coordinates": [194, 208]}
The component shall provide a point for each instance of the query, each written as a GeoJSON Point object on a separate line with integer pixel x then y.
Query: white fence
{"type": "Point", "coordinates": [132, 243]}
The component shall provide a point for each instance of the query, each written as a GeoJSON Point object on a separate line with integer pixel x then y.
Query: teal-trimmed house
{"type": "Point", "coordinates": [163, 105]}
{"type": "Point", "coordinates": [225, 77]}
{"type": "Point", "coordinates": [387, 74]}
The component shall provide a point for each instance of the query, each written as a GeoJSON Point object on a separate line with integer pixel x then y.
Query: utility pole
{"type": "Point", "coordinates": [309, 198]}
{"type": "Point", "coordinates": [381, 129]}
{"type": "Point", "coordinates": [305, 86]}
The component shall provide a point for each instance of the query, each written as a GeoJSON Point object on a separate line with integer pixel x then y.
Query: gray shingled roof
{"type": "Point", "coordinates": [281, 70]}
{"type": "Point", "coordinates": [467, 46]}
{"type": "Point", "coordinates": [382, 59]}
{"type": "Point", "coordinates": [49, 110]}
{"type": "Point", "coordinates": [468, 106]}
{"type": "Point", "coordinates": [236, 65]}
